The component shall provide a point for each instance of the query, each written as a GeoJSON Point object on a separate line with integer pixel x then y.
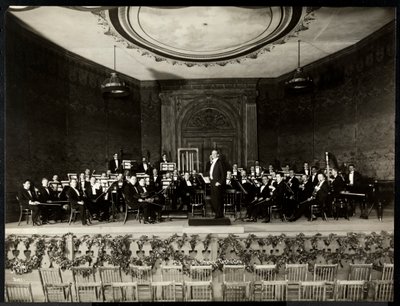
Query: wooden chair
{"type": "Point", "coordinates": [197, 201]}
{"type": "Point", "coordinates": [274, 290]}
{"type": "Point", "coordinates": [198, 291]}
{"type": "Point", "coordinates": [361, 272]}
{"type": "Point", "coordinates": [174, 274]}
{"type": "Point", "coordinates": [384, 290]}
{"type": "Point", "coordinates": [143, 276]}
{"type": "Point", "coordinates": [18, 292]}
{"type": "Point", "coordinates": [262, 273]}
{"type": "Point", "coordinates": [387, 272]}
{"type": "Point", "coordinates": [24, 212]}
{"type": "Point", "coordinates": [55, 290]}
{"type": "Point", "coordinates": [328, 274]}
{"type": "Point", "coordinates": [233, 273]}
{"type": "Point", "coordinates": [230, 201]}
{"type": "Point", "coordinates": [296, 272]}
{"type": "Point", "coordinates": [163, 291]}
{"type": "Point", "coordinates": [89, 292]}
{"type": "Point", "coordinates": [200, 273]}
{"type": "Point", "coordinates": [109, 275]}
{"type": "Point", "coordinates": [129, 210]}
{"type": "Point", "coordinates": [349, 290]}
{"type": "Point", "coordinates": [312, 291]}
{"type": "Point", "coordinates": [74, 211]}
{"type": "Point", "coordinates": [236, 291]}
{"type": "Point", "coordinates": [317, 209]}
{"type": "Point", "coordinates": [129, 291]}
{"type": "Point", "coordinates": [83, 274]}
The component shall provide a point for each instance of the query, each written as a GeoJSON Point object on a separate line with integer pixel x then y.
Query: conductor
{"type": "Point", "coordinates": [218, 178]}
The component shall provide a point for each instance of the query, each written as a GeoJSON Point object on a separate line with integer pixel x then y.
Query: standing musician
{"type": "Point", "coordinates": [186, 190]}
{"type": "Point", "coordinates": [115, 164]}
{"type": "Point", "coordinates": [145, 166]}
{"type": "Point", "coordinates": [319, 196]}
{"type": "Point", "coordinates": [217, 177]}
{"type": "Point", "coordinates": [354, 180]}
{"type": "Point", "coordinates": [76, 200]}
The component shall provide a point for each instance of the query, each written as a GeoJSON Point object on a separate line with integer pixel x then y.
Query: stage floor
{"type": "Point", "coordinates": [180, 226]}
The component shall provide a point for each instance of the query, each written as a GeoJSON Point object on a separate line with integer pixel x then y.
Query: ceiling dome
{"type": "Point", "coordinates": [204, 34]}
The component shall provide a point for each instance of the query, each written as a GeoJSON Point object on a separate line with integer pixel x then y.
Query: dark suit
{"type": "Point", "coordinates": [149, 210]}
{"type": "Point", "coordinates": [73, 199]}
{"type": "Point", "coordinates": [48, 194]}
{"type": "Point", "coordinates": [156, 182]}
{"type": "Point", "coordinates": [186, 192]}
{"type": "Point", "coordinates": [293, 183]}
{"type": "Point", "coordinates": [357, 182]}
{"type": "Point", "coordinates": [96, 204]}
{"type": "Point", "coordinates": [112, 166]}
{"type": "Point", "coordinates": [337, 185]}
{"type": "Point", "coordinates": [305, 191]}
{"type": "Point", "coordinates": [255, 207]}
{"type": "Point", "coordinates": [303, 171]}
{"type": "Point", "coordinates": [217, 192]}
{"type": "Point", "coordinates": [24, 197]}
{"type": "Point", "coordinates": [314, 181]}
{"type": "Point", "coordinates": [141, 169]}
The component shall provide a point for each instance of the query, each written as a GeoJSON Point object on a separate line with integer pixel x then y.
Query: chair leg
{"type": "Point", "coordinates": [126, 215]}
{"type": "Point", "coordinates": [70, 216]}
{"type": "Point", "coordinates": [20, 217]}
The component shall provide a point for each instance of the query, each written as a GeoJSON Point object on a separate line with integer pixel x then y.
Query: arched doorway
{"type": "Point", "coordinates": [209, 127]}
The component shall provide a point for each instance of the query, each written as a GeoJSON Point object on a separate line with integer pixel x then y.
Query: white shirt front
{"type": "Point", "coordinates": [77, 192]}
{"type": "Point", "coordinates": [262, 188]}
{"type": "Point", "coordinates": [116, 162]}
{"type": "Point", "coordinates": [188, 183]}
{"type": "Point", "coordinates": [351, 178]}
{"type": "Point", "coordinates": [145, 167]}
{"type": "Point", "coordinates": [212, 167]}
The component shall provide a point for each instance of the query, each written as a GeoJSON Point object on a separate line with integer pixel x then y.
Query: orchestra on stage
{"type": "Point", "coordinates": [261, 193]}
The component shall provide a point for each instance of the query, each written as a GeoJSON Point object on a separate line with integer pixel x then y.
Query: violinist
{"type": "Point", "coordinates": [263, 194]}
{"type": "Point", "coordinates": [337, 183]}
{"type": "Point", "coordinates": [319, 196]}
{"type": "Point", "coordinates": [149, 202]}
{"type": "Point", "coordinates": [293, 182]}
{"type": "Point", "coordinates": [96, 203]}
{"type": "Point", "coordinates": [186, 190]}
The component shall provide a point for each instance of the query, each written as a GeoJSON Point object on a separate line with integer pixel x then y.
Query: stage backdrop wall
{"type": "Point", "coordinates": [351, 112]}
{"type": "Point", "coordinates": [56, 118]}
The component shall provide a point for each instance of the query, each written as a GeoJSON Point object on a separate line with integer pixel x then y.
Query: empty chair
{"type": "Point", "coordinates": [262, 273]}
{"type": "Point", "coordinates": [175, 274]}
{"type": "Point", "coordinates": [230, 201]}
{"type": "Point", "coordinates": [199, 291]}
{"type": "Point", "coordinates": [200, 273]}
{"type": "Point", "coordinates": [325, 272]}
{"type": "Point", "coordinates": [109, 275]}
{"type": "Point", "coordinates": [296, 272]}
{"type": "Point", "coordinates": [197, 202]}
{"type": "Point", "coordinates": [233, 273]}
{"type": "Point", "coordinates": [125, 292]}
{"type": "Point", "coordinates": [312, 291]}
{"type": "Point", "coordinates": [274, 290]}
{"type": "Point", "coordinates": [349, 290]}
{"type": "Point", "coordinates": [163, 291]}
{"type": "Point", "coordinates": [360, 272]}
{"type": "Point", "coordinates": [55, 290]}
{"type": "Point", "coordinates": [143, 276]}
{"type": "Point", "coordinates": [384, 290]}
{"type": "Point", "coordinates": [236, 291]}
{"type": "Point", "coordinates": [58, 292]}
{"type": "Point", "coordinates": [18, 292]}
{"type": "Point", "coordinates": [83, 274]}
{"type": "Point", "coordinates": [89, 292]}
{"type": "Point", "coordinates": [387, 272]}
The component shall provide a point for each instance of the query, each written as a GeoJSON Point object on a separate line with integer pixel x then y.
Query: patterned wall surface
{"type": "Point", "coordinates": [351, 113]}
{"type": "Point", "coordinates": [56, 118]}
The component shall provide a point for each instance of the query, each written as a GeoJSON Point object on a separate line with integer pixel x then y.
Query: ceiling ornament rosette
{"type": "Point", "coordinates": [199, 40]}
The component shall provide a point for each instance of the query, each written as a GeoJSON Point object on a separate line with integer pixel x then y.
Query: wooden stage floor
{"type": "Point", "coordinates": [276, 226]}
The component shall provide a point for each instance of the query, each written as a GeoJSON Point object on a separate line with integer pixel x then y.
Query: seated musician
{"type": "Point", "coordinates": [48, 195]}
{"type": "Point", "coordinates": [319, 196]}
{"type": "Point", "coordinates": [88, 175]}
{"type": "Point", "coordinates": [258, 169]}
{"type": "Point", "coordinates": [232, 183]}
{"type": "Point", "coordinates": [249, 188]}
{"type": "Point", "coordinates": [151, 205]}
{"type": "Point", "coordinates": [28, 200]}
{"type": "Point", "coordinates": [186, 190]}
{"type": "Point", "coordinates": [263, 194]}
{"type": "Point", "coordinates": [305, 189]}
{"type": "Point", "coordinates": [236, 172]}
{"type": "Point", "coordinates": [293, 182]}
{"type": "Point", "coordinates": [97, 205]}
{"type": "Point", "coordinates": [337, 186]}
{"type": "Point", "coordinates": [76, 200]}
{"type": "Point", "coordinates": [83, 183]}
{"type": "Point", "coordinates": [270, 169]}
{"type": "Point", "coordinates": [197, 180]}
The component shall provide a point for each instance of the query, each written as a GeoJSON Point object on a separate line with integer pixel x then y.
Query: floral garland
{"type": "Point", "coordinates": [369, 248]}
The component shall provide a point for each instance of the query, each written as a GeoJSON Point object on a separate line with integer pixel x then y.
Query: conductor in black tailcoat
{"type": "Point", "coordinates": [218, 179]}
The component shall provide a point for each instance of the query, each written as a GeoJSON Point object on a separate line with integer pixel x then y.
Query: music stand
{"type": "Point", "coordinates": [167, 167]}
{"type": "Point", "coordinates": [127, 164]}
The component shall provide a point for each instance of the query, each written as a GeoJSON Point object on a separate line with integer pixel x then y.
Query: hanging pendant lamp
{"type": "Point", "coordinates": [113, 86]}
{"type": "Point", "coordinates": [300, 80]}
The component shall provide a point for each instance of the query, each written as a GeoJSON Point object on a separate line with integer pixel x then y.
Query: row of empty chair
{"type": "Point", "coordinates": [199, 287]}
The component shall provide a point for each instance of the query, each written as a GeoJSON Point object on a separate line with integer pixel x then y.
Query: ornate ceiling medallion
{"type": "Point", "coordinates": [204, 35]}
